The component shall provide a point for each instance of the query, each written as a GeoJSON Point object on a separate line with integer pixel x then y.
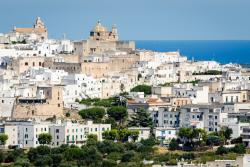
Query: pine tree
{"type": "Point", "coordinates": [141, 119]}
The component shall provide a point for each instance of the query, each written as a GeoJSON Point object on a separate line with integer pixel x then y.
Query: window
{"type": "Point", "coordinates": [58, 105]}
{"type": "Point", "coordinates": [26, 142]}
{"type": "Point", "coordinates": [57, 137]}
{"type": "Point", "coordinates": [33, 63]}
{"type": "Point", "coordinates": [26, 63]}
{"type": "Point", "coordinates": [26, 129]}
{"type": "Point", "coordinates": [57, 130]}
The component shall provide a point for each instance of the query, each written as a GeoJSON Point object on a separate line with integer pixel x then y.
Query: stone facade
{"type": "Point", "coordinates": [47, 103]}
{"type": "Point", "coordinates": [101, 40]}
{"type": "Point", "coordinates": [22, 64]}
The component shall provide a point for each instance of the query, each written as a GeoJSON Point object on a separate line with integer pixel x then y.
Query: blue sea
{"type": "Point", "coordinates": [223, 51]}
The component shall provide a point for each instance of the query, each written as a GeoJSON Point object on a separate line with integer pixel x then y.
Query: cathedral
{"type": "Point", "coordinates": [38, 29]}
{"type": "Point", "coordinates": [101, 33]}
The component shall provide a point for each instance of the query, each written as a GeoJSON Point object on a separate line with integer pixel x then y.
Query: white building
{"type": "Point", "coordinates": [165, 134]}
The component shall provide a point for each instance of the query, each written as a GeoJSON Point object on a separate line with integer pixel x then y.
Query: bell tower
{"type": "Point", "coordinates": [114, 33]}
{"type": "Point", "coordinates": [39, 23]}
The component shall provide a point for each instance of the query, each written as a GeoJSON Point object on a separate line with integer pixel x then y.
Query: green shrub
{"type": "Point", "coordinates": [142, 88]}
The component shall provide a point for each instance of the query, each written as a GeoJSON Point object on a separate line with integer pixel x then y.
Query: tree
{"type": "Point", "coordinates": [74, 154]}
{"type": "Point", "coordinates": [109, 163]}
{"type": "Point", "coordinates": [151, 141]}
{"type": "Point", "coordinates": [142, 88]}
{"type": "Point", "coordinates": [125, 135]}
{"type": "Point", "coordinates": [92, 137]}
{"type": "Point", "coordinates": [2, 155]}
{"type": "Point", "coordinates": [128, 156]}
{"type": "Point", "coordinates": [56, 159]}
{"type": "Point", "coordinates": [213, 140]}
{"type": "Point", "coordinates": [44, 138]}
{"type": "Point", "coordinates": [133, 134]}
{"type": "Point", "coordinates": [228, 132]}
{"type": "Point", "coordinates": [221, 150]}
{"type": "Point", "coordinates": [110, 135]}
{"type": "Point", "coordinates": [3, 139]}
{"type": "Point", "coordinates": [239, 149]}
{"type": "Point", "coordinates": [187, 135]}
{"type": "Point", "coordinates": [94, 113]}
{"type": "Point", "coordinates": [225, 133]}
{"type": "Point", "coordinates": [237, 140]}
{"type": "Point", "coordinates": [111, 121]}
{"type": "Point", "coordinates": [119, 113]}
{"type": "Point", "coordinates": [141, 119]}
{"type": "Point", "coordinates": [122, 135]}
{"type": "Point", "coordinates": [108, 146]}
{"type": "Point", "coordinates": [173, 145]}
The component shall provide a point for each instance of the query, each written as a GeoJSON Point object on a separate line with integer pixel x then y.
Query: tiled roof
{"type": "Point", "coordinates": [30, 30]}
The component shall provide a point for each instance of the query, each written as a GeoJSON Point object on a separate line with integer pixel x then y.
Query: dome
{"type": "Point", "coordinates": [99, 27]}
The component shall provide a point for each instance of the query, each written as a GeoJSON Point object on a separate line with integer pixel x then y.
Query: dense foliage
{"type": "Point", "coordinates": [141, 118]}
{"type": "Point", "coordinates": [44, 138]}
{"type": "Point", "coordinates": [95, 113]}
{"type": "Point", "coordinates": [142, 88]}
{"type": "Point", "coordinates": [112, 101]}
{"type": "Point", "coordinates": [209, 72]}
{"type": "Point", "coordinates": [122, 135]}
{"type": "Point", "coordinates": [3, 138]}
{"type": "Point", "coordinates": [102, 154]}
{"type": "Point", "coordinates": [119, 113]}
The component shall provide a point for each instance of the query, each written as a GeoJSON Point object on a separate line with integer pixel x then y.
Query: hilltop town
{"type": "Point", "coordinates": [103, 102]}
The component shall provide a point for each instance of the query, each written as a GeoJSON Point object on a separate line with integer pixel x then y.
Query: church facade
{"type": "Point", "coordinates": [37, 32]}
{"type": "Point", "coordinates": [101, 40]}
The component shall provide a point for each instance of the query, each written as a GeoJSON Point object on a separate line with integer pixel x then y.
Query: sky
{"type": "Point", "coordinates": [135, 19]}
